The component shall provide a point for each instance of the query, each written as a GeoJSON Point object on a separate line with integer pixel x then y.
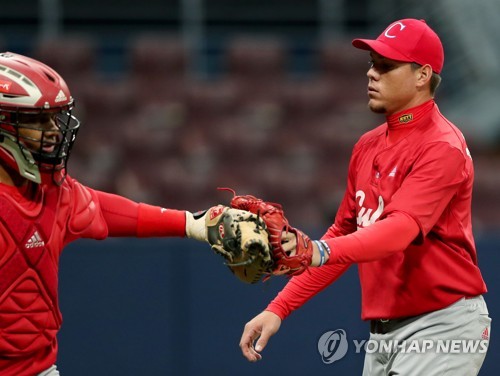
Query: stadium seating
{"type": "Point", "coordinates": [163, 135]}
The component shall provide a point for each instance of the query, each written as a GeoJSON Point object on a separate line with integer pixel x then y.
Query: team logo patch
{"type": "Point", "coordinates": [394, 26]}
{"type": "Point", "coordinates": [5, 86]}
{"type": "Point", "coordinates": [406, 118]}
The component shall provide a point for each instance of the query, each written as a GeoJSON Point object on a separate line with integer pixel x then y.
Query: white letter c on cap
{"type": "Point", "coordinates": [401, 27]}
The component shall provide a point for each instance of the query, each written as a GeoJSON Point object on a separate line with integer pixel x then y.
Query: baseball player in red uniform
{"type": "Point", "coordinates": [42, 209]}
{"type": "Point", "coordinates": [405, 219]}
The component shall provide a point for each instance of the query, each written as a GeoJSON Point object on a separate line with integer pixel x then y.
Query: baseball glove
{"type": "Point", "coordinates": [284, 263]}
{"type": "Point", "coordinates": [241, 238]}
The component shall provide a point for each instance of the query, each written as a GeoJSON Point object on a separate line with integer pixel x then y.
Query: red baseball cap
{"type": "Point", "coordinates": [408, 40]}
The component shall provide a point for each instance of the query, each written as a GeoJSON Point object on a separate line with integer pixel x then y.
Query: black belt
{"type": "Point", "coordinates": [381, 326]}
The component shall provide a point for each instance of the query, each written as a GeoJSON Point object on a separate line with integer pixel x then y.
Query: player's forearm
{"type": "Point", "coordinates": [338, 230]}
{"type": "Point", "coordinates": [126, 218]}
{"type": "Point", "coordinates": [382, 239]}
{"type": "Point", "coordinates": [303, 287]}
{"type": "Point", "coordinates": [154, 221]}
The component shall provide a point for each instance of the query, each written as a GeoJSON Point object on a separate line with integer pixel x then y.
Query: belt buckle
{"type": "Point", "coordinates": [379, 326]}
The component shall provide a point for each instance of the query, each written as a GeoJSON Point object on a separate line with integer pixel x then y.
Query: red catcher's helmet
{"type": "Point", "coordinates": [32, 93]}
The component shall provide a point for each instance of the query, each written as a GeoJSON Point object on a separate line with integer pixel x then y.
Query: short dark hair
{"type": "Point", "coordinates": [435, 79]}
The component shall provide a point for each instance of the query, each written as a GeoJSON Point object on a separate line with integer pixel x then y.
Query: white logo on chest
{"type": "Point", "coordinates": [367, 217]}
{"type": "Point", "coordinates": [34, 241]}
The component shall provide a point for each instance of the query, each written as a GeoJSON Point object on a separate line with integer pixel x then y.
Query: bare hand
{"type": "Point", "coordinates": [289, 242]}
{"type": "Point", "coordinates": [259, 329]}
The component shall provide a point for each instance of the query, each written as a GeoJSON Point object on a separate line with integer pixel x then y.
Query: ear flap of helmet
{"type": "Point", "coordinates": [23, 159]}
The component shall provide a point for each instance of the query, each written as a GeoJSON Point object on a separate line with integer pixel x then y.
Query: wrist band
{"type": "Point", "coordinates": [321, 250]}
{"type": "Point", "coordinates": [327, 247]}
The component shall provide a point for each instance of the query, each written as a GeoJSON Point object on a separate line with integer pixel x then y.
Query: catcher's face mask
{"type": "Point", "coordinates": [37, 129]}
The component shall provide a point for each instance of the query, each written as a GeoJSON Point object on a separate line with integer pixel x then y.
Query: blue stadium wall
{"type": "Point", "coordinates": [170, 307]}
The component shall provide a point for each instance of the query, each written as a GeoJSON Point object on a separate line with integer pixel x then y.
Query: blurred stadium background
{"type": "Point", "coordinates": [179, 97]}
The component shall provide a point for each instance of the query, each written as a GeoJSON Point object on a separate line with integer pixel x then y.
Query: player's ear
{"type": "Point", "coordinates": [424, 74]}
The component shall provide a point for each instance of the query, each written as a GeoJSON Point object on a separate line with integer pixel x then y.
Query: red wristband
{"type": "Point", "coordinates": [154, 221]}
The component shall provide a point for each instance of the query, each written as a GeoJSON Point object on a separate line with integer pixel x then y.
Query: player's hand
{"type": "Point", "coordinates": [259, 329]}
{"type": "Point", "coordinates": [196, 223]}
{"type": "Point", "coordinates": [289, 242]}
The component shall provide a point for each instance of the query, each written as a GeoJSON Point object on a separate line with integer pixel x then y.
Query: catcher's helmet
{"type": "Point", "coordinates": [37, 129]}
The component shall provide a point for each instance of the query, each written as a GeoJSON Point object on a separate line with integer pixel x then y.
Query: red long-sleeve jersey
{"type": "Point", "coordinates": [413, 170]}
{"type": "Point", "coordinates": [36, 222]}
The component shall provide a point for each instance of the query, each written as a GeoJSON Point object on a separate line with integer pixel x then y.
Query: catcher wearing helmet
{"type": "Point", "coordinates": [42, 209]}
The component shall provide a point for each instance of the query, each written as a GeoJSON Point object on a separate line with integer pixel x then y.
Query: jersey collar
{"type": "Point", "coordinates": [410, 116]}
